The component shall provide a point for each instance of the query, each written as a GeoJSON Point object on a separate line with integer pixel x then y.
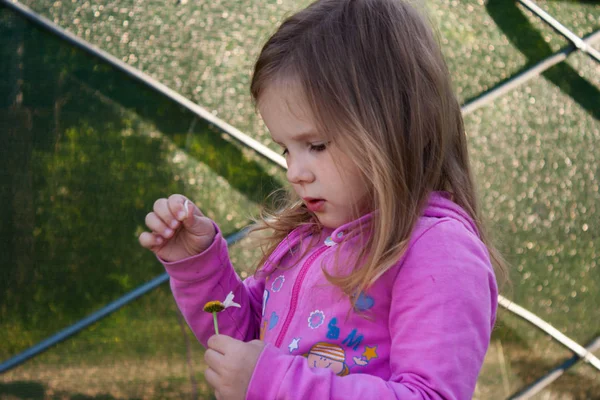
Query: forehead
{"type": "Point", "coordinates": [286, 112]}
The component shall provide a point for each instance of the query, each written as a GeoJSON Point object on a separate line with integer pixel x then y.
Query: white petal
{"type": "Point", "coordinates": [229, 301]}
{"type": "Point", "coordinates": [233, 304]}
{"type": "Point", "coordinates": [229, 298]}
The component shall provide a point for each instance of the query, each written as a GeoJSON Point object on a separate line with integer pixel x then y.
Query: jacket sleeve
{"type": "Point", "coordinates": [210, 276]}
{"type": "Point", "coordinates": [442, 312]}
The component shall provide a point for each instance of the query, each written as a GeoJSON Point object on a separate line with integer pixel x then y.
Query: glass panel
{"type": "Point", "coordinates": [580, 382]}
{"type": "Point", "coordinates": [86, 152]}
{"type": "Point", "coordinates": [145, 350]}
{"type": "Point", "coordinates": [205, 50]}
{"type": "Point", "coordinates": [518, 355]}
{"type": "Point", "coordinates": [532, 155]}
{"type": "Point", "coordinates": [201, 49]}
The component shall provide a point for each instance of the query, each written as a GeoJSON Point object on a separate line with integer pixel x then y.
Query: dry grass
{"type": "Point", "coordinates": [135, 379]}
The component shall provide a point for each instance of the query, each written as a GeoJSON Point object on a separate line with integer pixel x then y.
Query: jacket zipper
{"type": "Point", "coordinates": [296, 294]}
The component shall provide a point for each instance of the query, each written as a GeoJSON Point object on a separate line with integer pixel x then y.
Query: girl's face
{"type": "Point", "coordinates": [332, 190]}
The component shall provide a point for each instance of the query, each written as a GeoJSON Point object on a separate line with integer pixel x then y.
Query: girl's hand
{"type": "Point", "coordinates": [230, 365]}
{"type": "Point", "coordinates": [178, 229]}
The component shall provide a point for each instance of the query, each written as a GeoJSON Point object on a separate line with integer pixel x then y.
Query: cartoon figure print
{"type": "Point", "coordinates": [327, 355]}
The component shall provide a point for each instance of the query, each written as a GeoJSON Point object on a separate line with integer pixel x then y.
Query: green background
{"type": "Point", "coordinates": [86, 151]}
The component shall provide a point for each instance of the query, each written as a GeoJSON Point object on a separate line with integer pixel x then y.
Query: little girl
{"type": "Point", "coordinates": [377, 280]}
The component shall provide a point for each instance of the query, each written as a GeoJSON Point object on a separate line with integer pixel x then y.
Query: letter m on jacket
{"type": "Point", "coordinates": [352, 340]}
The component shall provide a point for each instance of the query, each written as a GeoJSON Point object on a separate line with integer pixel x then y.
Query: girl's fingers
{"type": "Point", "coordinates": [157, 225]}
{"type": "Point", "coordinates": [212, 378]}
{"type": "Point", "coordinates": [150, 240]}
{"type": "Point", "coordinates": [222, 344]}
{"type": "Point", "coordinates": [213, 359]}
{"type": "Point", "coordinates": [161, 208]}
{"type": "Point", "coordinates": [181, 207]}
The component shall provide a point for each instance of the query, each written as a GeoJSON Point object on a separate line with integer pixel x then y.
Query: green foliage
{"type": "Point", "coordinates": [86, 151]}
{"type": "Point", "coordinates": [96, 152]}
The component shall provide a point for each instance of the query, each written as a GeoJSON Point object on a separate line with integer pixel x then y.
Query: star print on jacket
{"type": "Point", "coordinates": [370, 352]}
{"type": "Point", "coordinates": [294, 344]}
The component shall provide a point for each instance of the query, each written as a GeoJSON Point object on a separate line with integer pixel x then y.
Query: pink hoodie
{"type": "Point", "coordinates": [421, 332]}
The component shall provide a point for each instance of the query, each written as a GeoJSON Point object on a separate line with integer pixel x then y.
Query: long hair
{"type": "Point", "coordinates": [372, 71]}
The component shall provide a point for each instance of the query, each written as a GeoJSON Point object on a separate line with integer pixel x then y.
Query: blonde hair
{"type": "Point", "coordinates": [373, 70]}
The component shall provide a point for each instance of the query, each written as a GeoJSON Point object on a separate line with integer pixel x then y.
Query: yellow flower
{"type": "Point", "coordinates": [216, 306]}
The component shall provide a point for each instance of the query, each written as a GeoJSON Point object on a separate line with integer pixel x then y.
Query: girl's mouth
{"type": "Point", "coordinates": [314, 205]}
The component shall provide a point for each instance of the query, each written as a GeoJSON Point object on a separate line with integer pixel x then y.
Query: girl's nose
{"type": "Point", "coordinates": [299, 172]}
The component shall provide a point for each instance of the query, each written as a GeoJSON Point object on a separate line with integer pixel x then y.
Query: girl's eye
{"type": "Point", "coordinates": [318, 146]}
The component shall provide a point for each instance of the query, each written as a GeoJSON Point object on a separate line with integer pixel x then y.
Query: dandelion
{"type": "Point", "coordinates": [216, 306]}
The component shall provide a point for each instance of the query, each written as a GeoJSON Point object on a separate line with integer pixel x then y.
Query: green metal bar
{"type": "Point", "coordinates": [563, 30]}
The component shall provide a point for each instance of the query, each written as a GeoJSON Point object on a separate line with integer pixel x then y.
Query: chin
{"type": "Point", "coordinates": [331, 223]}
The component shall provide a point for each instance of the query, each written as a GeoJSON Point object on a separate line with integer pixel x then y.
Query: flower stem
{"type": "Point", "coordinates": [216, 325]}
